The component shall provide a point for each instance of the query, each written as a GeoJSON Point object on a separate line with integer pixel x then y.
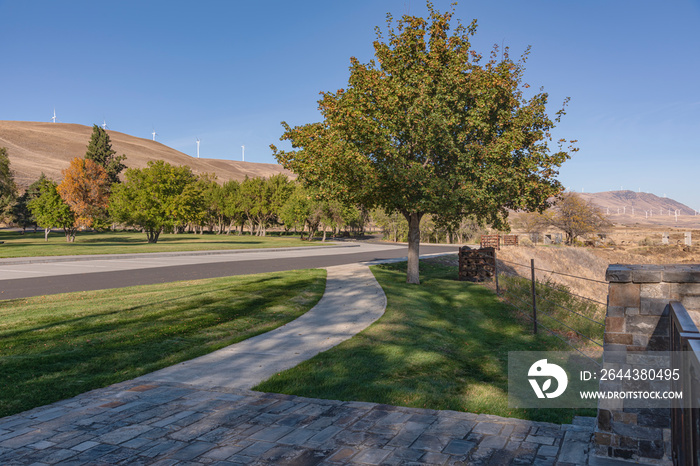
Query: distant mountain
{"type": "Point", "coordinates": [627, 207]}
{"type": "Point", "coordinates": [627, 200]}
{"type": "Point", "coordinates": [36, 147]}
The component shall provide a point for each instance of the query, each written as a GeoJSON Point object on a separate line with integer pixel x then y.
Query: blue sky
{"type": "Point", "coordinates": [228, 72]}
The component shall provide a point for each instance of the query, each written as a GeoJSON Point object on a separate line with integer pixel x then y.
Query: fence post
{"type": "Point", "coordinates": [495, 272]}
{"type": "Point", "coordinates": [534, 299]}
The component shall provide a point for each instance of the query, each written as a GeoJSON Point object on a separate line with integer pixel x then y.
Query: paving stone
{"type": "Point", "coordinates": [409, 433]}
{"type": "Point", "coordinates": [94, 453]}
{"type": "Point", "coordinates": [573, 451]}
{"type": "Point", "coordinates": [480, 455]}
{"type": "Point", "coordinates": [342, 455]}
{"type": "Point", "coordinates": [432, 457]}
{"type": "Point", "coordinates": [222, 453]}
{"type": "Point", "coordinates": [118, 456]}
{"type": "Point", "coordinates": [487, 428]}
{"type": "Point", "coordinates": [541, 440]}
{"type": "Point", "coordinates": [85, 445]}
{"type": "Point", "coordinates": [53, 456]}
{"type": "Point", "coordinates": [282, 454]}
{"type": "Point", "coordinates": [123, 434]}
{"type": "Point", "coordinates": [501, 457]}
{"type": "Point", "coordinates": [193, 450]}
{"type": "Point", "coordinates": [423, 418]}
{"type": "Point", "coordinates": [319, 423]}
{"type": "Point", "coordinates": [271, 434]}
{"type": "Point", "coordinates": [429, 442]}
{"type": "Point", "coordinates": [42, 445]}
{"type": "Point", "coordinates": [297, 437]}
{"type": "Point", "coordinates": [194, 430]}
{"type": "Point", "coordinates": [372, 456]}
{"type": "Point", "coordinates": [493, 441]}
{"type": "Point", "coordinates": [548, 451]}
{"type": "Point", "coordinates": [25, 439]}
{"type": "Point", "coordinates": [459, 447]}
{"type": "Point", "coordinates": [257, 449]}
{"type": "Point", "coordinates": [507, 430]}
{"type": "Point", "coordinates": [519, 432]}
{"type": "Point", "coordinates": [322, 436]}
{"type": "Point", "coordinates": [49, 414]}
{"type": "Point", "coordinates": [292, 420]}
{"type": "Point", "coordinates": [407, 454]}
{"type": "Point", "coordinates": [15, 433]}
{"type": "Point", "coordinates": [137, 443]}
{"type": "Point", "coordinates": [162, 448]}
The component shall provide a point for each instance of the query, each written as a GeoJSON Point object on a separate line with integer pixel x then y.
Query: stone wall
{"type": "Point", "coordinates": [637, 319]}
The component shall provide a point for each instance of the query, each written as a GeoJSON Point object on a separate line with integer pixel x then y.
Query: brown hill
{"type": "Point", "coordinates": [629, 207]}
{"type": "Point", "coordinates": [36, 147]}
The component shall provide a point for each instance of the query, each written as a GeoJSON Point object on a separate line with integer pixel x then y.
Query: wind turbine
{"type": "Point", "coordinates": [54, 116]}
{"type": "Point", "coordinates": [104, 124]}
{"type": "Point", "coordinates": [197, 147]}
{"type": "Point", "coordinates": [154, 134]}
{"type": "Point", "coordinates": [243, 153]}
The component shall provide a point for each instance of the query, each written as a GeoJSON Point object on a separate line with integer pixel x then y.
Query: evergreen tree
{"type": "Point", "coordinates": [100, 150]}
{"type": "Point", "coordinates": [8, 189]}
{"type": "Point", "coordinates": [23, 216]}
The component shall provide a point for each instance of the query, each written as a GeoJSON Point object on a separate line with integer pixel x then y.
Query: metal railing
{"type": "Point", "coordinates": [685, 419]}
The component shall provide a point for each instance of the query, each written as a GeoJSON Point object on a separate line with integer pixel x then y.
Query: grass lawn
{"type": "Point", "coordinates": [33, 244]}
{"type": "Point", "coordinates": [441, 345]}
{"type": "Point", "coordinates": [55, 347]}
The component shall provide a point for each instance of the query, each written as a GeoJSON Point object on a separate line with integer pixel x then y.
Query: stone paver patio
{"type": "Point", "coordinates": [174, 424]}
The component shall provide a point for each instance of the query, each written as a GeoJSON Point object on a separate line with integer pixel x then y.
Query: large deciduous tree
{"type": "Point", "coordinates": [100, 151]}
{"type": "Point", "coordinates": [85, 188]}
{"type": "Point", "coordinates": [576, 217]}
{"type": "Point", "coordinates": [160, 196]}
{"type": "Point", "coordinates": [50, 210]}
{"type": "Point", "coordinates": [430, 127]}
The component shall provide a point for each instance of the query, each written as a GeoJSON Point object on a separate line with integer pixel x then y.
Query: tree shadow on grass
{"type": "Point", "coordinates": [81, 353]}
{"type": "Point", "coordinates": [441, 345]}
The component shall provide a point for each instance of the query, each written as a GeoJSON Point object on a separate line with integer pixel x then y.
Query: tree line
{"type": "Point", "coordinates": [165, 198]}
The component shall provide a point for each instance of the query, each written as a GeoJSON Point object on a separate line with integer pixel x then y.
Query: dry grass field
{"type": "Point", "coordinates": [636, 244]}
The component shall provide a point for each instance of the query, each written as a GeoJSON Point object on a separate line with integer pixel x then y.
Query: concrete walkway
{"type": "Point", "coordinates": [202, 411]}
{"type": "Point", "coordinates": [351, 302]}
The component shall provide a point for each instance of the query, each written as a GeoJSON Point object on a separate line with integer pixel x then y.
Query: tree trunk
{"type": "Point", "coordinates": [412, 274]}
{"type": "Point", "coordinates": [152, 236]}
{"type": "Point", "coordinates": [46, 234]}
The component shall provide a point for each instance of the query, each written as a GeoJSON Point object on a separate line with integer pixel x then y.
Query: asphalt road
{"type": "Point", "coordinates": [21, 280]}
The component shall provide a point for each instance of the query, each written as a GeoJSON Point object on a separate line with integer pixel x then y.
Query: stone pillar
{"type": "Point", "coordinates": [637, 319]}
{"type": "Point", "coordinates": [688, 238]}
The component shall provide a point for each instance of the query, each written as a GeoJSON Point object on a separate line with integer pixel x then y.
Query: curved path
{"type": "Point", "coordinates": [202, 411]}
{"type": "Point", "coordinates": [351, 302]}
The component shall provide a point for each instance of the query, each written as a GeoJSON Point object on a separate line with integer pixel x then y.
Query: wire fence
{"type": "Point", "coordinates": [576, 320]}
